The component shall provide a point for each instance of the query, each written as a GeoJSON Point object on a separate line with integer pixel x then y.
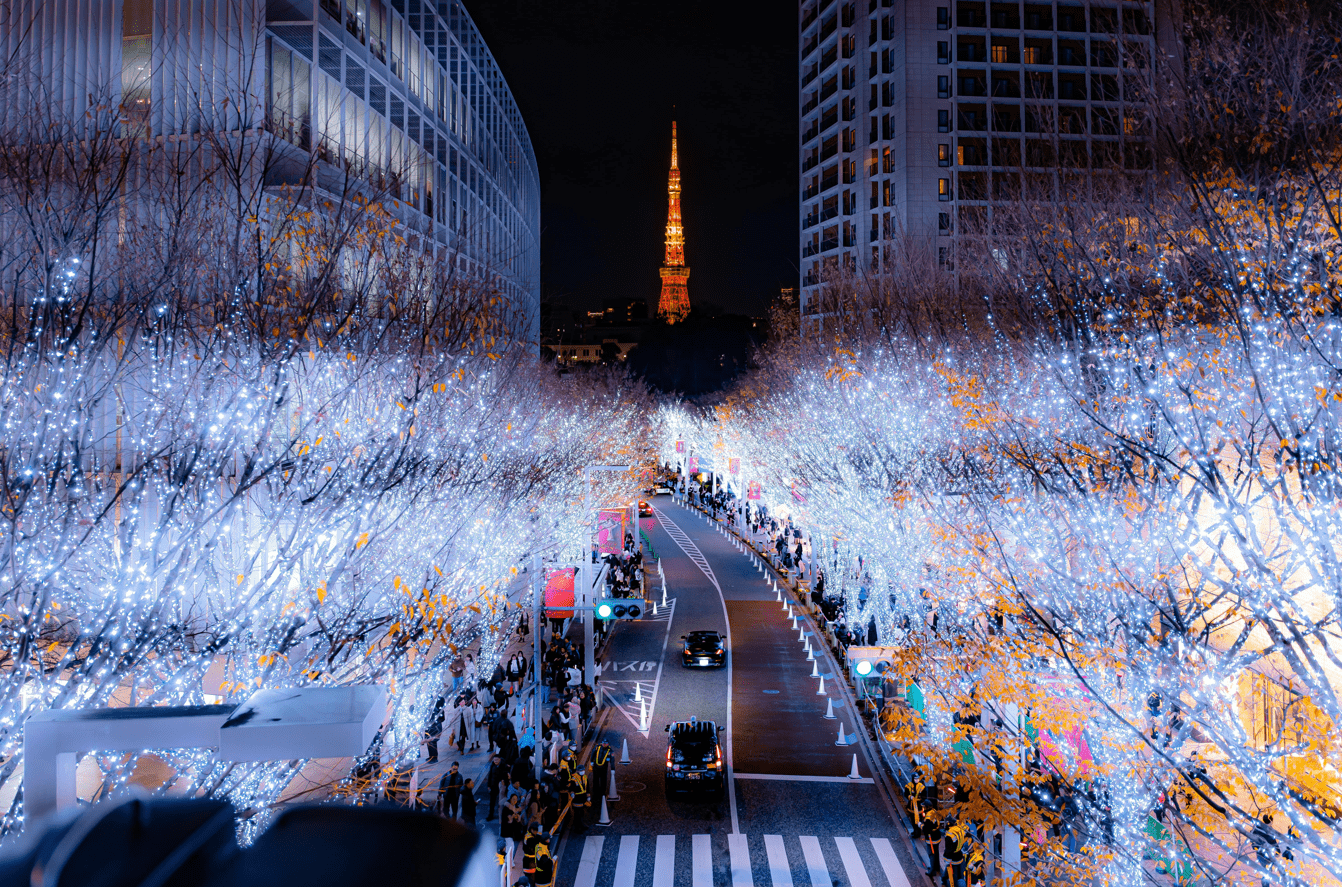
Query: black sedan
{"type": "Point", "coordinates": [694, 758]}
{"type": "Point", "coordinates": [703, 649]}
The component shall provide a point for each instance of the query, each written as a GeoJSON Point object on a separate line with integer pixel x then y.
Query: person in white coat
{"type": "Point", "coordinates": [477, 718]}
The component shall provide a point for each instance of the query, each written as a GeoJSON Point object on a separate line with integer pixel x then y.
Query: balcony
{"type": "Point", "coordinates": [810, 191]}
{"type": "Point", "coordinates": [811, 104]}
{"type": "Point", "coordinates": [809, 46]}
{"type": "Point", "coordinates": [809, 249]}
{"type": "Point", "coordinates": [829, 243]}
{"type": "Point", "coordinates": [809, 134]}
{"type": "Point", "coordinates": [829, 181]}
{"type": "Point", "coordinates": [828, 26]}
{"type": "Point", "coordinates": [809, 163]}
{"type": "Point", "coordinates": [829, 87]}
{"type": "Point", "coordinates": [810, 221]}
{"type": "Point", "coordinates": [810, 75]}
{"type": "Point", "coordinates": [829, 117]}
{"type": "Point", "coordinates": [829, 56]}
{"type": "Point", "coordinates": [829, 212]}
{"type": "Point", "coordinates": [850, 238]}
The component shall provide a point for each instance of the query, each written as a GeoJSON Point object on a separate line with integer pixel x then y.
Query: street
{"type": "Point", "coordinates": [792, 815]}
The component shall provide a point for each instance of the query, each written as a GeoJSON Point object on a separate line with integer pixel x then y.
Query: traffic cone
{"type": "Point", "coordinates": [821, 691]}
{"type": "Point", "coordinates": [843, 739]}
{"type": "Point", "coordinates": [624, 753]}
{"type": "Point", "coordinates": [643, 718]}
{"type": "Point", "coordinates": [612, 794]}
{"type": "Point", "coordinates": [801, 634]}
{"type": "Point", "coordinates": [815, 669]}
{"type": "Point", "coordinates": [810, 654]}
{"type": "Point", "coordinates": [605, 814]}
{"type": "Point", "coordinates": [638, 692]}
{"type": "Point", "coordinates": [853, 774]}
{"type": "Point", "coordinates": [829, 709]}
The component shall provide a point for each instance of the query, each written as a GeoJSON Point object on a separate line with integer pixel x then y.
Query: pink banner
{"type": "Point", "coordinates": [734, 466]}
{"type": "Point", "coordinates": [692, 465]}
{"type": "Point", "coordinates": [680, 446]}
{"type": "Point", "coordinates": [559, 594]}
{"type": "Point", "coordinates": [610, 523]}
{"type": "Point", "coordinates": [754, 491]}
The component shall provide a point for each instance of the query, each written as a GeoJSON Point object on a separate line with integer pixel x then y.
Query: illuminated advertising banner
{"type": "Point", "coordinates": [734, 466]}
{"type": "Point", "coordinates": [692, 465]}
{"type": "Point", "coordinates": [610, 524]}
{"type": "Point", "coordinates": [559, 593]}
{"type": "Point", "coordinates": [754, 491]}
{"type": "Point", "coordinates": [680, 446]}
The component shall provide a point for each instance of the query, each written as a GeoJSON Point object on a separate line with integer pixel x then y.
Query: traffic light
{"type": "Point", "coordinates": [619, 608]}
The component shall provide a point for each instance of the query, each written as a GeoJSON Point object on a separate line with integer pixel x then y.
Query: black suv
{"type": "Point", "coordinates": [702, 648]}
{"type": "Point", "coordinates": [694, 758]}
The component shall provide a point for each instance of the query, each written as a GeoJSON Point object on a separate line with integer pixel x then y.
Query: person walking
{"type": "Point", "coordinates": [457, 669]}
{"type": "Point", "coordinates": [468, 803]}
{"type": "Point", "coordinates": [449, 792]}
{"type": "Point", "coordinates": [496, 775]}
{"type": "Point", "coordinates": [545, 867]}
{"type": "Point", "coordinates": [466, 728]}
{"type": "Point", "coordinates": [477, 716]}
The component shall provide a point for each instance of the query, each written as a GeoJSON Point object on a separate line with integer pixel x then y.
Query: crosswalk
{"type": "Point", "coordinates": [739, 861]}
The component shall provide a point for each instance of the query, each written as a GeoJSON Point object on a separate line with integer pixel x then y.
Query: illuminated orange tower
{"type": "Point", "coordinates": [674, 303]}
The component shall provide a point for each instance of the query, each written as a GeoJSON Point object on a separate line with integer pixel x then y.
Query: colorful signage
{"type": "Point", "coordinates": [692, 465]}
{"type": "Point", "coordinates": [680, 446]}
{"type": "Point", "coordinates": [734, 466]}
{"type": "Point", "coordinates": [753, 491]}
{"type": "Point", "coordinates": [610, 524]}
{"type": "Point", "coordinates": [559, 593]}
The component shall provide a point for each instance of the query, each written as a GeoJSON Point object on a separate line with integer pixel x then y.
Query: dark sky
{"type": "Point", "coordinates": [596, 81]}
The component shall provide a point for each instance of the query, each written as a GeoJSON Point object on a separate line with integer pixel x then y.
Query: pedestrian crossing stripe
{"type": "Point", "coordinates": [816, 857]}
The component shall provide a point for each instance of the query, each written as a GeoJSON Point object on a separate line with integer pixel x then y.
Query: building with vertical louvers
{"type": "Point", "coordinates": [403, 94]}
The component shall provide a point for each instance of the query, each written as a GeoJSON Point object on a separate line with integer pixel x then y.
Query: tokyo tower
{"type": "Point", "coordinates": [674, 303]}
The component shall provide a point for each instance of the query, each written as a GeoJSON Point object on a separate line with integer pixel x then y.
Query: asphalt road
{"type": "Point", "coordinates": [792, 815]}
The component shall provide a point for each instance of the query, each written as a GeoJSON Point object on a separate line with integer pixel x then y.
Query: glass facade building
{"type": "Point", "coordinates": [401, 93]}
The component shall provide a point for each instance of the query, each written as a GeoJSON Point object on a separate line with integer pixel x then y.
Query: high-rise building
{"type": "Point", "coordinates": [674, 303]}
{"type": "Point", "coordinates": [918, 117]}
{"type": "Point", "coordinates": [403, 94]}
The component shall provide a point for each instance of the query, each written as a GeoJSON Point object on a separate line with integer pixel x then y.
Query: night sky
{"type": "Point", "coordinates": [596, 81]}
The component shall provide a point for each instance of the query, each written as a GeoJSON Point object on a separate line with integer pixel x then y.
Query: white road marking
{"type": "Point", "coordinates": [591, 858]}
{"type": "Point", "coordinates": [664, 865]}
{"type": "Point", "coordinates": [894, 872]}
{"type": "Point", "coordinates": [701, 872]}
{"type": "Point", "coordinates": [740, 854]}
{"type": "Point", "coordinates": [785, 778]}
{"type": "Point", "coordinates": [852, 863]}
{"type": "Point", "coordinates": [815, 861]}
{"type": "Point", "coordinates": [627, 862]}
{"type": "Point", "coordinates": [779, 870]}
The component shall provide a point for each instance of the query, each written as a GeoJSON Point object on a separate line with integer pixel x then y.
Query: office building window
{"type": "Point", "coordinates": [943, 18]}
{"type": "Point", "coordinates": [943, 86]}
{"type": "Point", "coordinates": [943, 52]}
{"type": "Point", "coordinates": [943, 189]}
{"type": "Point", "coordinates": [943, 120]}
{"type": "Point", "coordinates": [944, 224]}
{"type": "Point", "coordinates": [943, 155]}
{"type": "Point", "coordinates": [999, 54]}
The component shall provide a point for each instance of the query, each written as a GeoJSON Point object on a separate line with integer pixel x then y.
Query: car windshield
{"type": "Point", "coordinates": [704, 637]}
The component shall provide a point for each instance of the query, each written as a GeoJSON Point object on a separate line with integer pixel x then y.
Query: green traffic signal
{"type": "Point", "coordinates": [603, 610]}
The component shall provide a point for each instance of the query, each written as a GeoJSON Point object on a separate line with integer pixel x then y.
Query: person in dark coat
{"type": "Point", "coordinates": [468, 803]}
{"type": "Point", "coordinates": [497, 775]}
{"type": "Point", "coordinates": [449, 792]}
